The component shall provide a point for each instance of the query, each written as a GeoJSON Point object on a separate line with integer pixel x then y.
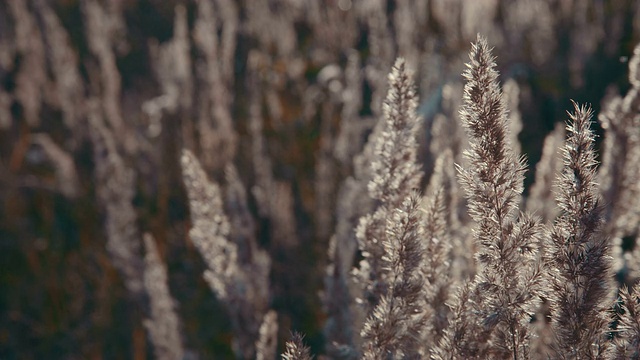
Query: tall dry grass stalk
{"type": "Point", "coordinates": [394, 174]}
{"type": "Point", "coordinates": [627, 343]}
{"type": "Point", "coordinates": [241, 284]}
{"type": "Point", "coordinates": [579, 261]}
{"type": "Point", "coordinates": [163, 325]}
{"type": "Point", "coordinates": [494, 321]}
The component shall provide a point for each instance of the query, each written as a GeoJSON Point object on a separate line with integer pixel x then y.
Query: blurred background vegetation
{"type": "Point", "coordinates": [293, 85]}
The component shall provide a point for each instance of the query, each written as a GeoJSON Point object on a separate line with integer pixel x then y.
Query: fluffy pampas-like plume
{"type": "Point", "coordinates": [627, 345]}
{"type": "Point", "coordinates": [241, 284]}
{"type": "Point", "coordinates": [395, 174]}
{"type": "Point", "coordinates": [296, 349]}
{"type": "Point", "coordinates": [578, 252]}
{"type": "Point", "coordinates": [619, 174]}
{"type": "Point", "coordinates": [394, 328]}
{"type": "Point", "coordinates": [504, 294]}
